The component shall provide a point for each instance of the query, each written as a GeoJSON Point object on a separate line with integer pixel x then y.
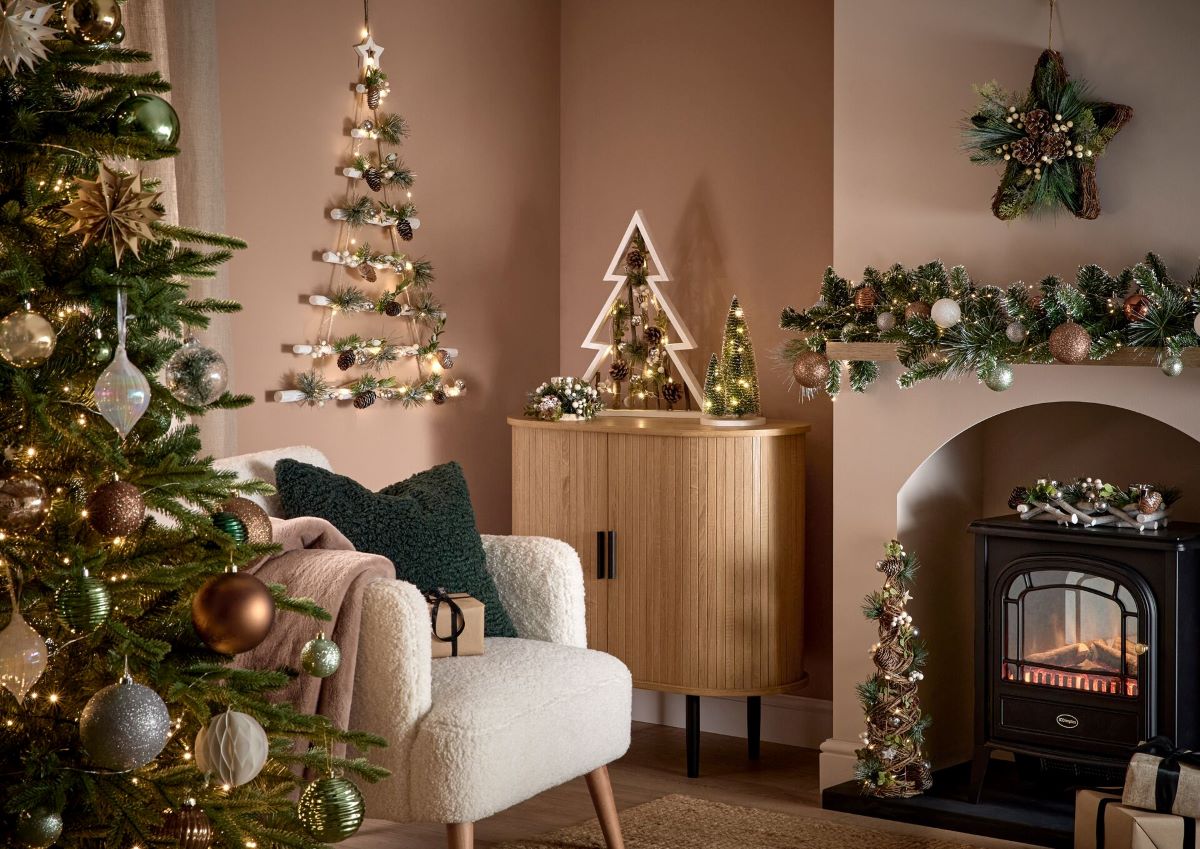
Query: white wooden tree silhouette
{"type": "Point", "coordinates": [638, 335]}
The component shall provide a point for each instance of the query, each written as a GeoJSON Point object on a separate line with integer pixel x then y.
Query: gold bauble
{"type": "Point", "coordinates": [918, 309]}
{"type": "Point", "coordinates": [811, 369]}
{"type": "Point", "coordinates": [1070, 343]}
{"type": "Point", "coordinates": [233, 612]}
{"type": "Point", "coordinates": [256, 520]}
{"type": "Point", "coordinates": [92, 21]}
{"type": "Point", "coordinates": [116, 509]}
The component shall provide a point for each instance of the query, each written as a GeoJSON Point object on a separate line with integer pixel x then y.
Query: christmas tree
{"type": "Point", "coordinates": [637, 336]}
{"type": "Point", "coordinates": [891, 762]}
{"type": "Point", "coordinates": [731, 382]}
{"type": "Point", "coordinates": [373, 275]}
{"type": "Point", "coordinates": [116, 644]}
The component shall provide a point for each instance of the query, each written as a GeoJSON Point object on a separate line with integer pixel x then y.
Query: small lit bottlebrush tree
{"type": "Point", "coordinates": [92, 589]}
{"type": "Point", "coordinates": [891, 762]}
{"type": "Point", "coordinates": [731, 380]}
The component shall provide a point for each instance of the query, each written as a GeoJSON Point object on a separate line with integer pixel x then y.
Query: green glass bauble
{"type": "Point", "coordinates": [93, 21]}
{"type": "Point", "coordinates": [331, 809]}
{"type": "Point", "coordinates": [320, 657]}
{"type": "Point", "coordinates": [39, 828]}
{"type": "Point", "coordinates": [82, 603]}
{"type": "Point", "coordinates": [148, 116]}
{"type": "Point", "coordinates": [227, 523]}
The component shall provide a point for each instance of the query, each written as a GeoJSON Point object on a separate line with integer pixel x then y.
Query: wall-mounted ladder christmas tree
{"type": "Point", "coordinates": [638, 336]}
{"type": "Point", "coordinates": [371, 273]}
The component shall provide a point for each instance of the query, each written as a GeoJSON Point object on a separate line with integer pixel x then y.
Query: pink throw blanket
{"type": "Point", "coordinates": [317, 562]}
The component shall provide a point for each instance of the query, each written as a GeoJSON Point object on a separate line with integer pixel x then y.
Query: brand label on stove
{"type": "Point", "coordinates": [1065, 720]}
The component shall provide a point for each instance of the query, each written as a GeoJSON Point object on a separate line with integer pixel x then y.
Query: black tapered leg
{"type": "Point", "coordinates": [753, 725]}
{"type": "Point", "coordinates": [979, 766]}
{"type": "Point", "coordinates": [693, 736]}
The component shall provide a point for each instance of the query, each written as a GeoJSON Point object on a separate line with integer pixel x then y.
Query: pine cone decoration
{"type": "Point", "coordinates": [345, 360]}
{"type": "Point", "coordinates": [635, 260]}
{"type": "Point", "coordinates": [374, 178]}
{"type": "Point", "coordinates": [653, 334]}
{"type": "Point", "coordinates": [865, 298]}
{"type": "Point", "coordinates": [367, 272]}
{"type": "Point", "coordinates": [1055, 146]}
{"type": "Point", "coordinates": [392, 309]}
{"type": "Point", "coordinates": [1036, 122]}
{"type": "Point", "coordinates": [1151, 501]}
{"type": "Point", "coordinates": [1025, 150]}
{"type": "Point", "coordinates": [405, 229]}
{"type": "Point", "coordinates": [439, 396]}
{"type": "Point", "coordinates": [890, 566]}
{"type": "Point", "coordinates": [889, 659]}
{"type": "Point", "coordinates": [374, 95]}
{"type": "Point", "coordinates": [619, 370]}
{"type": "Point", "coordinates": [1017, 497]}
{"type": "Point", "coordinates": [672, 393]}
{"type": "Point", "coordinates": [364, 399]}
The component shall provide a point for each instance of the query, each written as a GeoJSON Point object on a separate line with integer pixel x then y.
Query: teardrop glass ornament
{"type": "Point", "coordinates": [122, 392]}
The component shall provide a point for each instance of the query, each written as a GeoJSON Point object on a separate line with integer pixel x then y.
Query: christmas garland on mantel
{"type": "Point", "coordinates": [944, 325]}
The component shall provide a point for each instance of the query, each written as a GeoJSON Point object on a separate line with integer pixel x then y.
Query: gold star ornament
{"type": "Point", "coordinates": [114, 209]}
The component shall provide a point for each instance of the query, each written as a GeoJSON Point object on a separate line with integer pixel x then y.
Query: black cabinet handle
{"type": "Point", "coordinates": [600, 555]}
{"type": "Point", "coordinates": [612, 555]}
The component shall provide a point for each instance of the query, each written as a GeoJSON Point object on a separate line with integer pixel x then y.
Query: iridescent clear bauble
{"type": "Point", "coordinates": [885, 321]}
{"type": "Point", "coordinates": [122, 393]}
{"type": "Point", "coordinates": [1016, 332]}
{"type": "Point", "coordinates": [999, 378]}
{"type": "Point", "coordinates": [946, 313]}
{"type": "Point", "coordinates": [124, 726]}
{"type": "Point", "coordinates": [1171, 366]}
{"type": "Point", "coordinates": [196, 375]}
{"type": "Point", "coordinates": [22, 656]}
{"type": "Point", "coordinates": [26, 339]}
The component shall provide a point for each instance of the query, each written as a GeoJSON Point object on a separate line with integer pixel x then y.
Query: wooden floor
{"type": "Point", "coordinates": [784, 779]}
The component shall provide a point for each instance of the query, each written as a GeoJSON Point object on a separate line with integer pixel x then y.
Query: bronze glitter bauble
{"type": "Point", "coordinates": [811, 369]}
{"type": "Point", "coordinates": [233, 612]}
{"type": "Point", "coordinates": [1136, 306]}
{"type": "Point", "coordinates": [256, 520]}
{"type": "Point", "coordinates": [24, 502]}
{"type": "Point", "coordinates": [1070, 343]}
{"type": "Point", "coordinates": [917, 309]}
{"type": "Point", "coordinates": [116, 509]}
{"type": "Point", "coordinates": [865, 298]}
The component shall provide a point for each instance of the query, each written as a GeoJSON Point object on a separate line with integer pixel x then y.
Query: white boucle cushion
{"type": "Point", "coordinates": [523, 717]}
{"type": "Point", "coordinates": [261, 465]}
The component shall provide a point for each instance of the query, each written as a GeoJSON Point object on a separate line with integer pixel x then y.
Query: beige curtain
{"type": "Point", "coordinates": [182, 36]}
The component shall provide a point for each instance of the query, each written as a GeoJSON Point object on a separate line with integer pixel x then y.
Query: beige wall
{"type": "Point", "coordinates": [713, 118]}
{"type": "Point", "coordinates": [478, 83]}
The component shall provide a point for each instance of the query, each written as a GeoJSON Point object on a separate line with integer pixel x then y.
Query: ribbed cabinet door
{"type": "Point", "coordinates": [560, 490]}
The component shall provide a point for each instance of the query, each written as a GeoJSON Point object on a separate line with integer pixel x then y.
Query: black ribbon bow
{"type": "Point", "coordinates": [458, 620]}
{"type": "Point", "coordinates": [1166, 783]}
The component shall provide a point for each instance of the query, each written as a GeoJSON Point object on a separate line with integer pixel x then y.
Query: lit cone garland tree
{"type": "Point", "coordinates": [986, 329]}
{"type": "Point", "coordinates": [372, 274]}
{"type": "Point", "coordinates": [891, 762]}
{"type": "Point", "coordinates": [104, 682]}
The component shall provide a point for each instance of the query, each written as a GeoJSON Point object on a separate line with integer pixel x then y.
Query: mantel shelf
{"type": "Point", "coordinates": [886, 351]}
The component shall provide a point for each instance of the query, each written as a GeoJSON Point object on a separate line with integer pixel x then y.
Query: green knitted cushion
{"type": "Point", "coordinates": [425, 525]}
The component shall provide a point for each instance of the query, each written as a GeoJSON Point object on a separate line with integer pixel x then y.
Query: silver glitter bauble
{"type": "Point", "coordinates": [885, 321]}
{"type": "Point", "coordinates": [999, 378]}
{"type": "Point", "coordinates": [1016, 332]}
{"type": "Point", "coordinates": [26, 339]}
{"type": "Point", "coordinates": [1171, 366]}
{"type": "Point", "coordinates": [196, 375]}
{"type": "Point", "coordinates": [124, 726]}
{"type": "Point", "coordinates": [39, 828]}
{"type": "Point", "coordinates": [320, 657]}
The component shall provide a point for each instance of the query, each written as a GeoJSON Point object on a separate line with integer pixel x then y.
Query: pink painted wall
{"type": "Point", "coordinates": [478, 82]}
{"type": "Point", "coordinates": [713, 118]}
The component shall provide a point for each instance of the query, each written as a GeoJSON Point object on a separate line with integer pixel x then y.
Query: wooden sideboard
{"type": "Point", "coordinates": [692, 544]}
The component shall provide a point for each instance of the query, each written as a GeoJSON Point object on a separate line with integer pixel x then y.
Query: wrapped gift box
{"type": "Point", "coordinates": [457, 624]}
{"type": "Point", "coordinates": [1164, 779]}
{"type": "Point", "coordinates": [1102, 822]}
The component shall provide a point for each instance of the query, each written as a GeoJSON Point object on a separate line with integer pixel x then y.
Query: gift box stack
{"type": "Point", "coordinates": [1156, 810]}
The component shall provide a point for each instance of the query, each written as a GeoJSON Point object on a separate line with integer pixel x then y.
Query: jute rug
{"type": "Point", "coordinates": [681, 822]}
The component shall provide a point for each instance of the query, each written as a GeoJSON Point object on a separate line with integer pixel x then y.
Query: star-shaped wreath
{"type": "Point", "coordinates": [115, 209]}
{"type": "Point", "coordinates": [1047, 141]}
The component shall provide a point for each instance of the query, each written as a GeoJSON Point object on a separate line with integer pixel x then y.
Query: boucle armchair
{"type": "Point", "coordinates": [471, 736]}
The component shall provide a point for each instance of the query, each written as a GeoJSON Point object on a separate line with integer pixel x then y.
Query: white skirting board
{"type": "Point", "coordinates": [791, 720]}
